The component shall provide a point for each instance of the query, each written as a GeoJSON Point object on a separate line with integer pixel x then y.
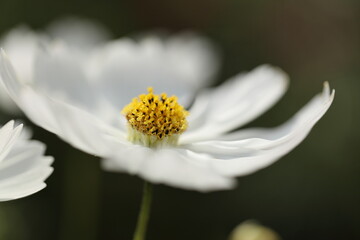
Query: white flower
{"type": "Point", "coordinates": [207, 156]}
{"type": "Point", "coordinates": [21, 44]}
{"type": "Point", "coordinates": [23, 166]}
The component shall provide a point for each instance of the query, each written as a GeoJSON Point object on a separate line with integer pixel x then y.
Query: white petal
{"type": "Point", "coordinates": [20, 44]}
{"type": "Point", "coordinates": [173, 167]}
{"type": "Point", "coordinates": [235, 103]}
{"type": "Point", "coordinates": [79, 128]}
{"type": "Point", "coordinates": [194, 55]}
{"type": "Point", "coordinates": [59, 73]}
{"type": "Point", "coordinates": [8, 137]}
{"type": "Point", "coordinates": [177, 65]}
{"type": "Point", "coordinates": [21, 191]}
{"type": "Point", "coordinates": [26, 134]}
{"type": "Point", "coordinates": [246, 151]}
{"type": "Point", "coordinates": [25, 171]}
{"type": "Point", "coordinates": [78, 33]}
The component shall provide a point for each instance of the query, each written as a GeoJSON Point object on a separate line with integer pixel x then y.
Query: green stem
{"type": "Point", "coordinates": [144, 214]}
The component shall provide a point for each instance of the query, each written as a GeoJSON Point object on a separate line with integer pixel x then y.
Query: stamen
{"type": "Point", "coordinates": [158, 117]}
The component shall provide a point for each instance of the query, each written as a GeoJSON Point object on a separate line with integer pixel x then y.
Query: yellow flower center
{"type": "Point", "coordinates": [158, 117]}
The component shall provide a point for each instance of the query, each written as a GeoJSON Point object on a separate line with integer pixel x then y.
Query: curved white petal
{"type": "Point", "coordinates": [194, 55]}
{"type": "Point", "coordinates": [8, 137]}
{"type": "Point", "coordinates": [79, 128]}
{"type": "Point", "coordinates": [78, 33]}
{"type": "Point", "coordinates": [21, 44]}
{"type": "Point", "coordinates": [177, 65]}
{"type": "Point", "coordinates": [235, 103]}
{"type": "Point", "coordinates": [24, 168]}
{"type": "Point", "coordinates": [246, 151]}
{"type": "Point", "coordinates": [174, 167]}
{"type": "Point", "coordinates": [59, 72]}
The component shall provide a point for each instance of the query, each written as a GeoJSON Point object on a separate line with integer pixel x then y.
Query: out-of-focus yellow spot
{"type": "Point", "coordinates": [159, 116]}
{"type": "Point", "coordinates": [251, 230]}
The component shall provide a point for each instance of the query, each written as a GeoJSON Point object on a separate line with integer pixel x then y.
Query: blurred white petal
{"type": "Point", "coordinates": [22, 45]}
{"type": "Point", "coordinates": [72, 124]}
{"type": "Point", "coordinates": [178, 65]}
{"type": "Point", "coordinates": [78, 33]}
{"type": "Point", "coordinates": [60, 75]}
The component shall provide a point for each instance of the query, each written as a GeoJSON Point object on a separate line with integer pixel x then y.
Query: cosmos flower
{"type": "Point", "coordinates": [154, 137]}
{"type": "Point", "coordinates": [23, 166]}
{"type": "Point", "coordinates": [22, 43]}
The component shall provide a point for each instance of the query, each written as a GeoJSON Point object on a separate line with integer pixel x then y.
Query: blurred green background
{"type": "Point", "coordinates": [312, 193]}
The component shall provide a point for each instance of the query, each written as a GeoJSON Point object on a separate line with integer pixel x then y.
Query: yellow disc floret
{"type": "Point", "coordinates": [157, 116]}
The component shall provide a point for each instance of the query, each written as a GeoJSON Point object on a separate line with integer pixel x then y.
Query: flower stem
{"type": "Point", "coordinates": [144, 214]}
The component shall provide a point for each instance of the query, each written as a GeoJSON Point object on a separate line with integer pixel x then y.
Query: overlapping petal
{"type": "Point", "coordinates": [59, 73]}
{"type": "Point", "coordinates": [95, 82]}
{"type": "Point", "coordinates": [236, 154]}
{"type": "Point", "coordinates": [22, 45]}
{"type": "Point", "coordinates": [178, 65]}
{"type": "Point", "coordinates": [72, 124]}
{"type": "Point", "coordinates": [175, 167]}
{"type": "Point", "coordinates": [246, 151]}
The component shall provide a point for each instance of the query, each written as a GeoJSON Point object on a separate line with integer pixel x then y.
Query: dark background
{"type": "Point", "coordinates": [312, 193]}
